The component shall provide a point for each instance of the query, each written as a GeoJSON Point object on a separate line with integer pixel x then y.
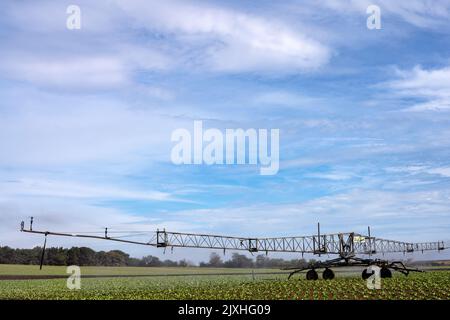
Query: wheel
{"type": "Point", "coordinates": [328, 274]}
{"type": "Point", "coordinates": [312, 275]}
{"type": "Point", "coordinates": [366, 274]}
{"type": "Point", "coordinates": [385, 273]}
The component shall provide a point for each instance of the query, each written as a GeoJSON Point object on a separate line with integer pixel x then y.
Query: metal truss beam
{"type": "Point", "coordinates": [343, 244]}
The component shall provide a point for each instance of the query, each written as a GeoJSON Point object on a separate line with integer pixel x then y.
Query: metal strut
{"type": "Point", "coordinates": [43, 252]}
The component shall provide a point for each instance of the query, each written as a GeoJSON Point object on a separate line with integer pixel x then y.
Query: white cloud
{"type": "Point", "coordinates": [43, 52]}
{"type": "Point", "coordinates": [419, 13]}
{"type": "Point", "coordinates": [87, 71]}
{"type": "Point", "coordinates": [421, 82]}
{"type": "Point", "coordinates": [442, 171]}
{"type": "Point", "coordinates": [230, 40]}
{"type": "Point", "coordinates": [71, 72]}
{"type": "Point", "coordinates": [196, 35]}
{"type": "Point", "coordinates": [433, 105]}
{"type": "Point", "coordinates": [431, 85]}
{"type": "Point", "coordinates": [65, 189]}
{"type": "Point", "coordinates": [420, 169]}
{"type": "Point", "coordinates": [155, 92]}
{"type": "Point", "coordinates": [335, 176]}
{"type": "Point", "coordinates": [286, 99]}
{"type": "Point", "coordinates": [413, 169]}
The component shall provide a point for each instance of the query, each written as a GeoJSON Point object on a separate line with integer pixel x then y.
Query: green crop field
{"type": "Point", "coordinates": [160, 283]}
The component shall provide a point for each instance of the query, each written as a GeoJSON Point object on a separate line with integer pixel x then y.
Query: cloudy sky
{"type": "Point", "coordinates": [86, 118]}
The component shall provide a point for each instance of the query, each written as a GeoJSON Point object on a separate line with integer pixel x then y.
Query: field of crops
{"type": "Point", "coordinates": [430, 285]}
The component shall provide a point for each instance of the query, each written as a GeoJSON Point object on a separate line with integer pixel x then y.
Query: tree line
{"type": "Point", "coordinates": [261, 261]}
{"type": "Point", "coordinates": [83, 256]}
{"type": "Point", "coordinates": [80, 256]}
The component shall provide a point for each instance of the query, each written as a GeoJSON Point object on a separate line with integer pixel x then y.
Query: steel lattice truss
{"type": "Point", "coordinates": [339, 243]}
{"type": "Point", "coordinates": [342, 244]}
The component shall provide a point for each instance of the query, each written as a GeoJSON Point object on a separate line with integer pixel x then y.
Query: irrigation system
{"type": "Point", "coordinates": [345, 245]}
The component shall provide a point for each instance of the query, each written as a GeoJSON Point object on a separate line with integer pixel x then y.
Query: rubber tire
{"type": "Point", "coordinates": [328, 274]}
{"type": "Point", "coordinates": [385, 273]}
{"type": "Point", "coordinates": [365, 274]}
{"type": "Point", "coordinates": [312, 275]}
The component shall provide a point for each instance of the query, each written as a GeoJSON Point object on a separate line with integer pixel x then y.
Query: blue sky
{"type": "Point", "coordinates": [86, 117]}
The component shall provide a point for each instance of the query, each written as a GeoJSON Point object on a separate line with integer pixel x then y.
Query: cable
{"type": "Point", "coordinates": [132, 235]}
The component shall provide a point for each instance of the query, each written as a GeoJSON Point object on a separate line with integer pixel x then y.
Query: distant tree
{"type": "Point", "coordinates": [73, 256]}
{"type": "Point", "coordinates": [117, 258]}
{"type": "Point", "coordinates": [7, 255]}
{"type": "Point", "coordinates": [151, 261]}
{"type": "Point", "coordinates": [84, 256]}
{"type": "Point", "coordinates": [133, 262]}
{"type": "Point", "coordinates": [300, 263]}
{"type": "Point", "coordinates": [56, 256]}
{"type": "Point", "coordinates": [87, 257]}
{"type": "Point", "coordinates": [32, 256]}
{"type": "Point", "coordinates": [170, 263]}
{"type": "Point", "coordinates": [101, 258]}
{"type": "Point", "coordinates": [183, 263]}
{"type": "Point", "coordinates": [262, 261]}
{"type": "Point", "coordinates": [215, 261]}
{"type": "Point", "coordinates": [239, 261]}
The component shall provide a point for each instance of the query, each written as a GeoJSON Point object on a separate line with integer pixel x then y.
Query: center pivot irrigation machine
{"type": "Point", "coordinates": [345, 245]}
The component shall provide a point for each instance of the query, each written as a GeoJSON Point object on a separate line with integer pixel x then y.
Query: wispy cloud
{"type": "Point", "coordinates": [69, 72]}
{"type": "Point", "coordinates": [285, 99]}
{"type": "Point", "coordinates": [432, 85]}
{"type": "Point", "coordinates": [419, 13]}
{"type": "Point", "coordinates": [65, 189]}
{"type": "Point", "coordinates": [231, 41]}
{"type": "Point", "coordinates": [443, 171]}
